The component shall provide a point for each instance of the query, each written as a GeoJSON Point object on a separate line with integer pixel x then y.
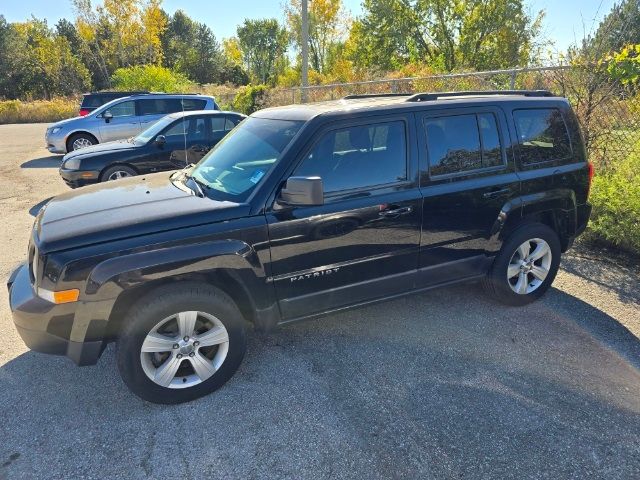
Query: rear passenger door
{"type": "Point", "coordinates": [467, 176]}
{"type": "Point", "coordinates": [363, 242]}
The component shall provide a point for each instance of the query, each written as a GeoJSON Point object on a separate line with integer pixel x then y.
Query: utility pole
{"type": "Point", "coordinates": [305, 50]}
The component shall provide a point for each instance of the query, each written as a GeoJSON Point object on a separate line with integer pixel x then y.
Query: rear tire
{"type": "Point", "coordinates": [80, 140]}
{"type": "Point", "coordinates": [116, 172]}
{"type": "Point", "coordinates": [161, 362]}
{"type": "Point", "coordinates": [526, 265]}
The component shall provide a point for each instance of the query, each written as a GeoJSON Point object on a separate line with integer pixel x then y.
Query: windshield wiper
{"type": "Point", "coordinates": [197, 183]}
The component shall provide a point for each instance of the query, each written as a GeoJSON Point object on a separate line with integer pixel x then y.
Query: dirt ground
{"type": "Point", "coordinates": [438, 385]}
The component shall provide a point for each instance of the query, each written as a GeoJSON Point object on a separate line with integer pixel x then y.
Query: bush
{"type": "Point", "coordinates": [250, 99]}
{"type": "Point", "coordinates": [150, 77]}
{"type": "Point", "coordinates": [38, 111]}
{"type": "Point", "coordinates": [615, 196]}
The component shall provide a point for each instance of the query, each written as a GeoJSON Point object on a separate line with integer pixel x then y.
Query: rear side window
{"type": "Point", "coordinates": [542, 135]}
{"type": "Point", "coordinates": [191, 104]}
{"type": "Point", "coordinates": [93, 101]}
{"type": "Point", "coordinates": [462, 143]}
{"type": "Point", "coordinates": [159, 106]}
{"type": "Point", "coordinates": [358, 157]}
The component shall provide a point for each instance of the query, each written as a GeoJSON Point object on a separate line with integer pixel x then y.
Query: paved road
{"type": "Point", "coordinates": [440, 385]}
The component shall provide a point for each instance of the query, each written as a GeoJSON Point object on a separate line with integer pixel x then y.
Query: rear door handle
{"type": "Point", "coordinates": [396, 212]}
{"type": "Point", "coordinates": [496, 193]}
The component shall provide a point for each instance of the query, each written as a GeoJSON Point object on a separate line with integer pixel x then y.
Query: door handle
{"type": "Point", "coordinates": [497, 193]}
{"type": "Point", "coordinates": [396, 212]}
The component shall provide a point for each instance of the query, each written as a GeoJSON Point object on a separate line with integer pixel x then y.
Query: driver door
{"type": "Point", "coordinates": [363, 242]}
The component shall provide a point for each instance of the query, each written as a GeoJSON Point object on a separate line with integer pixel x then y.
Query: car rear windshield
{"type": "Point", "coordinates": [236, 165]}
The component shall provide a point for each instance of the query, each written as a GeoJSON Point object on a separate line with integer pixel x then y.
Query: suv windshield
{"type": "Point", "coordinates": [236, 165]}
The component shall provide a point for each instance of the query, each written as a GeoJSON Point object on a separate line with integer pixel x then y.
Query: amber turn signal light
{"type": "Point", "coordinates": [61, 296]}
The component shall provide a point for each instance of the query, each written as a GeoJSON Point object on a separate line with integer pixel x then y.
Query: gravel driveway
{"type": "Point", "coordinates": [444, 384]}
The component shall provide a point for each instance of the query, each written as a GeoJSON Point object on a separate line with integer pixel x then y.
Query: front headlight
{"type": "Point", "coordinates": [55, 130]}
{"type": "Point", "coordinates": [71, 164]}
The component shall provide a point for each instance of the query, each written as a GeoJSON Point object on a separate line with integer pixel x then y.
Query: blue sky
{"type": "Point", "coordinates": [565, 21]}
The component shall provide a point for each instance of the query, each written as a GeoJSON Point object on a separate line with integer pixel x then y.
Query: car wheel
{"type": "Point", "coordinates": [526, 265]}
{"type": "Point", "coordinates": [116, 172]}
{"type": "Point", "coordinates": [181, 343]}
{"type": "Point", "coordinates": [80, 140]}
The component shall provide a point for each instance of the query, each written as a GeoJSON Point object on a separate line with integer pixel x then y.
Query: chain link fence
{"type": "Point", "coordinates": [609, 112]}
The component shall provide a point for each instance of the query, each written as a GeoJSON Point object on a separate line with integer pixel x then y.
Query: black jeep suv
{"type": "Point", "coordinates": [300, 211]}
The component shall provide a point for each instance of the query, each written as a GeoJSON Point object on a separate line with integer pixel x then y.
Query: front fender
{"type": "Point", "coordinates": [110, 277]}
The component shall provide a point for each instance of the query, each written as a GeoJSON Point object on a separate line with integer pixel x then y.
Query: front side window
{"type": "Point", "coordinates": [462, 143]}
{"type": "Point", "coordinates": [123, 109]}
{"type": "Point", "coordinates": [233, 168]}
{"type": "Point", "coordinates": [358, 157]}
{"type": "Point", "coordinates": [191, 127]}
{"type": "Point", "coordinates": [542, 135]}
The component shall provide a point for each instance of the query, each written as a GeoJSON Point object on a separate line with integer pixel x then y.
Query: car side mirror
{"type": "Point", "coordinates": [107, 116]}
{"type": "Point", "coordinates": [300, 191]}
{"type": "Point", "coordinates": [161, 140]}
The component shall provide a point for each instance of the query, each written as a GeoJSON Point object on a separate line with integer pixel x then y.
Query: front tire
{"type": "Point", "coordinates": [79, 141]}
{"type": "Point", "coordinates": [181, 342]}
{"type": "Point", "coordinates": [526, 265]}
{"type": "Point", "coordinates": [117, 172]}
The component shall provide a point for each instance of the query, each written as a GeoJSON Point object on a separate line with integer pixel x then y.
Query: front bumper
{"type": "Point", "coordinates": [44, 326]}
{"type": "Point", "coordinates": [55, 143]}
{"type": "Point", "coordinates": [79, 178]}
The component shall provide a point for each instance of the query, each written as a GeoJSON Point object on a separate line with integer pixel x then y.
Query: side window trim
{"type": "Point", "coordinates": [466, 111]}
{"type": "Point", "coordinates": [361, 122]}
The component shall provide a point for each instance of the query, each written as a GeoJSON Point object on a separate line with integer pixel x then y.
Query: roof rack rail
{"type": "Point", "coordinates": [423, 97]}
{"type": "Point", "coordinates": [375, 95]}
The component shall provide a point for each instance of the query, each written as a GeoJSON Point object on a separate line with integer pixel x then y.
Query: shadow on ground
{"type": "Point", "coordinates": [52, 161]}
{"type": "Point", "coordinates": [33, 211]}
{"type": "Point", "coordinates": [437, 385]}
{"type": "Point", "coordinates": [598, 269]}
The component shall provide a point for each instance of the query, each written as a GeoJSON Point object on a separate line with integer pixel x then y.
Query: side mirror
{"type": "Point", "coordinates": [161, 140]}
{"type": "Point", "coordinates": [302, 191]}
{"type": "Point", "coordinates": [107, 116]}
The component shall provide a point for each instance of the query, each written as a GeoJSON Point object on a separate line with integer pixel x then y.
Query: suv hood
{"type": "Point", "coordinates": [125, 208]}
{"type": "Point", "coordinates": [108, 147]}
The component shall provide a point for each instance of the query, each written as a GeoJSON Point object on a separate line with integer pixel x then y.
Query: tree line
{"type": "Point", "coordinates": [104, 44]}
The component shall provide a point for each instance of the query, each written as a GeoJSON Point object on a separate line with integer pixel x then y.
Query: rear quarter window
{"type": "Point", "coordinates": [542, 135]}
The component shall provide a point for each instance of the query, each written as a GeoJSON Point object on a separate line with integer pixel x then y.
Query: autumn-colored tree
{"type": "Point", "coordinates": [328, 24]}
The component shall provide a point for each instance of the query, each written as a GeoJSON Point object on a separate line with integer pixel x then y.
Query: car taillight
{"type": "Point", "coordinates": [83, 112]}
{"type": "Point", "coordinates": [591, 174]}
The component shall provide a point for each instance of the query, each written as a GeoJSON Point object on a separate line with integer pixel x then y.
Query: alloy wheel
{"type": "Point", "coordinates": [118, 174]}
{"type": "Point", "coordinates": [529, 266]}
{"type": "Point", "coordinates": [81, 142]}
{"type": "Point", "coordinates": [185, 349]}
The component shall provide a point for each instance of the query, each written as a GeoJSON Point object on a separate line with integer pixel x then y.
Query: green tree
{"type": "Point", "coordinates": [447, 34]}
{"type": "Point", "coordinates": [620, 27]}
{"type": "Point", "coordinates": [192, 49]}
{"type": "Point", "coordinates": [263, 44]}
{"type": "Point", "coordinates": [150, 77]}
